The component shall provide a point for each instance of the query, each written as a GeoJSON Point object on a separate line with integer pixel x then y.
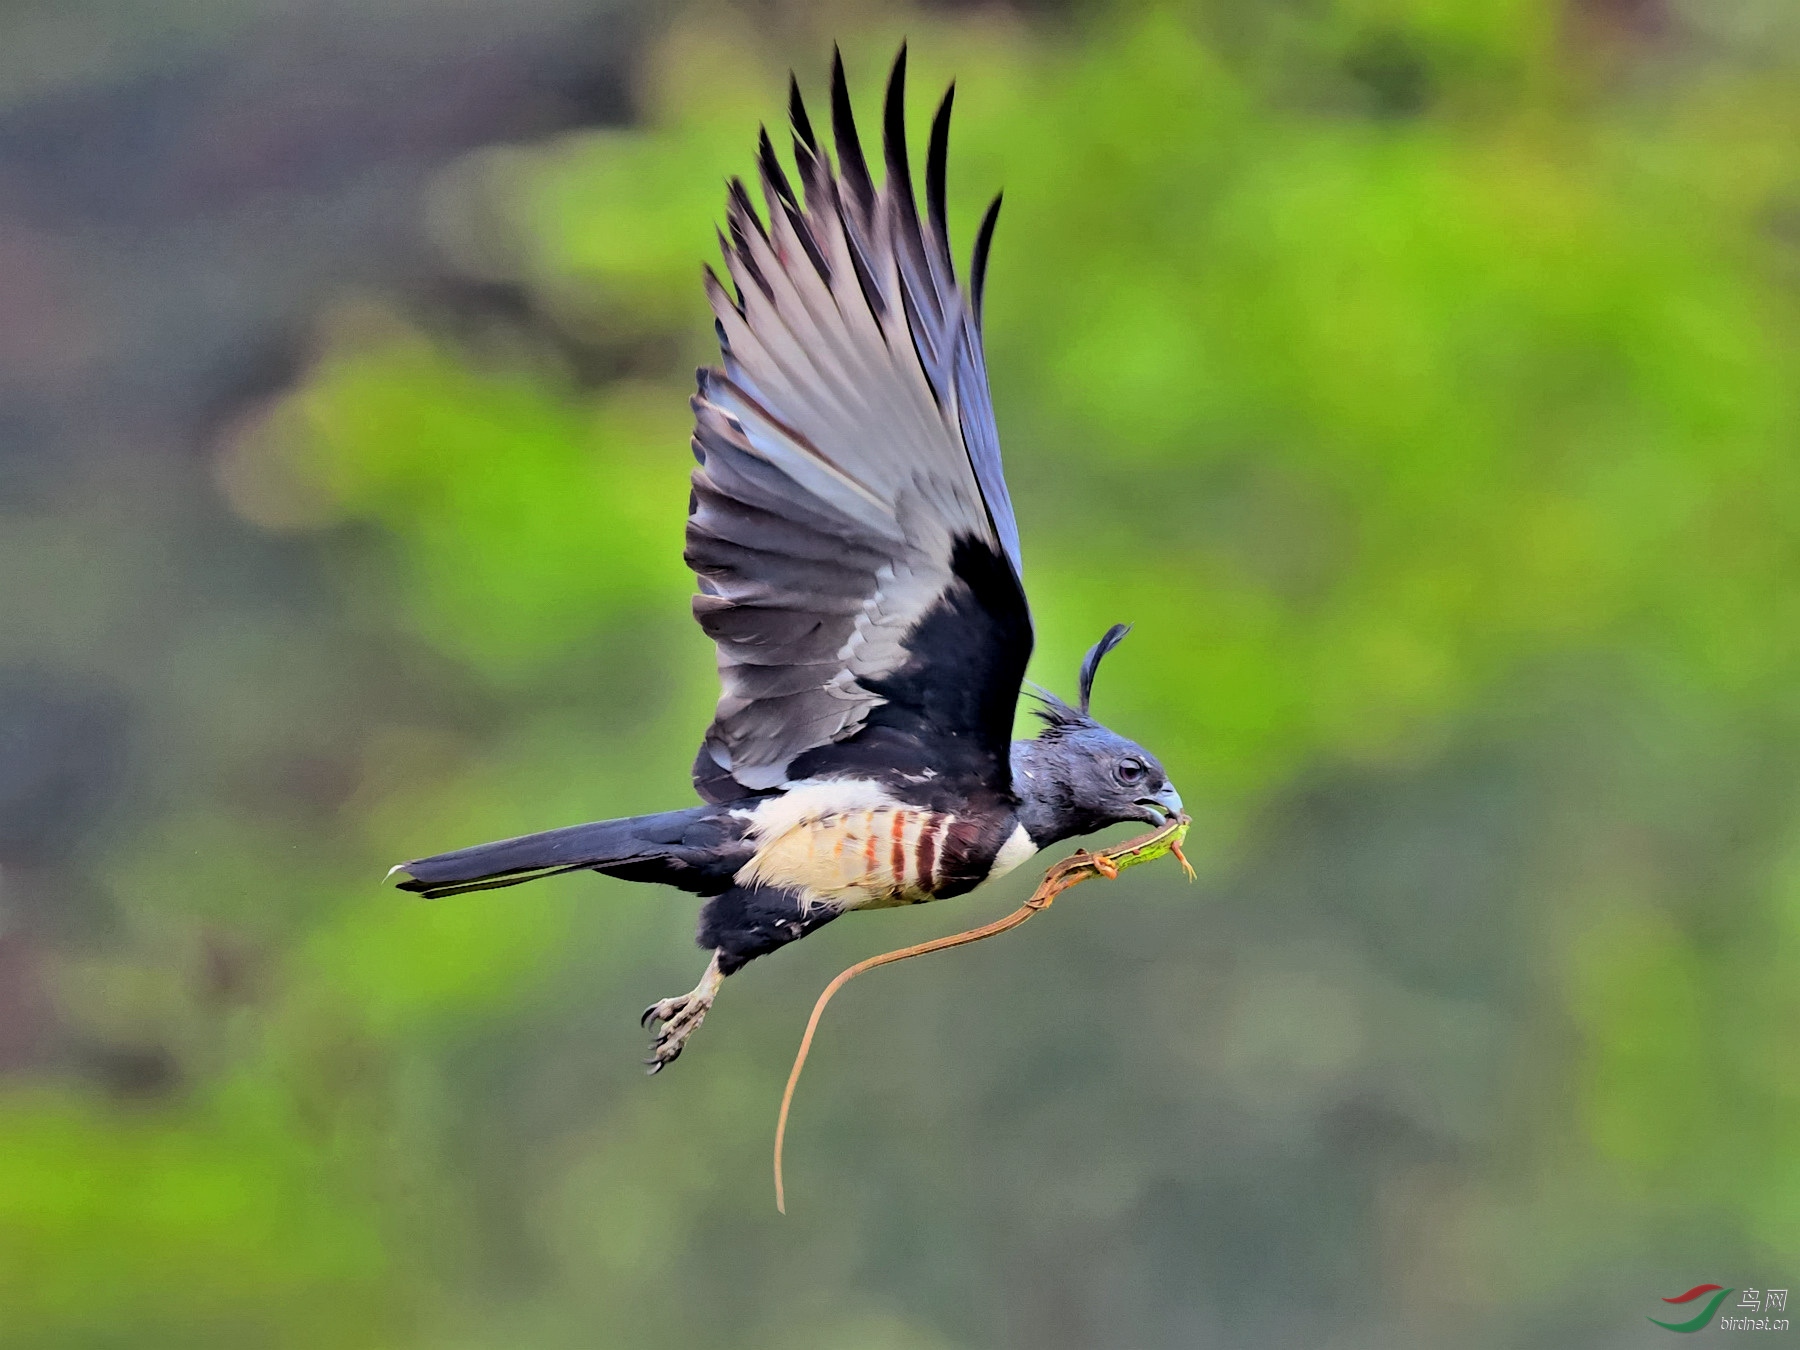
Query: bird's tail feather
{"type": "Point", "coordinates": [601, 845]}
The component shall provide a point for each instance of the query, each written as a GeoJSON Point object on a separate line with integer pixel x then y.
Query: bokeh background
{"type": "Point", "coordinates": [1422, 377]}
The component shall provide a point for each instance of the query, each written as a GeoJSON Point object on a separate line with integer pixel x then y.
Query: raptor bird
{"type": "Point", "coordinates": [858, 568]}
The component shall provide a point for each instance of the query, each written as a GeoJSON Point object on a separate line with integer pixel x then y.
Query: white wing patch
{"type": "Point", "coordinates": [1017, 848]}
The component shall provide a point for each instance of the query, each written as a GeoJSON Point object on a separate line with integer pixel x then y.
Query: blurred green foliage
{"type": "Point", "coordinates": [1420, 377]}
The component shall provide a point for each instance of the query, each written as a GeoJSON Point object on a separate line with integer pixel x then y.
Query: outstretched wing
{"type": "Point", "coordinates": [857, 556]}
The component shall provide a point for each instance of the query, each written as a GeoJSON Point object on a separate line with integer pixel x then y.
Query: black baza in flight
{"type": "Point", "coordinates": [858, 567]}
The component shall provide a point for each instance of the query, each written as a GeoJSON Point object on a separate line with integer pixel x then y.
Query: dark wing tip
{"type": "Point", "coordinates": [781, 198]}
{"type": "Point", "coordinates": [1091, 662]}
{"type": "Point", "coordinates": [894, 131]}
{"type": "Point", "coordinates": [739, 210]}
{"type": "Point", "coordinates": [797, 114]}
{"type": "Point", "coordinates": [984, 240]}
{"type": "Point", "coordinates": [776, 188]}
{"type": "Point", "coordinates": [936, 169]}
{"type": "Point", "coordinates": [717, 290]}
{"type": "Point", "coordinates": [851, 165]}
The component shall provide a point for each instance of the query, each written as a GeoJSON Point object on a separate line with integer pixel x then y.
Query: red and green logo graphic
{"type": "Point", "coordinates": [1719, 1295]}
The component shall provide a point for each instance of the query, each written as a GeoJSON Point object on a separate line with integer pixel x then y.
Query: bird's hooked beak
{"type": "Point", "coordinates": [1166, 804]}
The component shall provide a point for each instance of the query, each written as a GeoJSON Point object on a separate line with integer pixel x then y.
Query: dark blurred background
{"type": "Point", "coordinates": [1422, 377]}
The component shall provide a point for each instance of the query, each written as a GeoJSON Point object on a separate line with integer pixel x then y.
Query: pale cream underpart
{"type": "Point", "coordinates": [833, 841]}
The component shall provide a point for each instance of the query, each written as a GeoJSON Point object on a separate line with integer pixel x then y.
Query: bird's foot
{"type": "Point", "coordinates": [676, 1019]}
{"type": "Point", "coordinates": [1102, 864]}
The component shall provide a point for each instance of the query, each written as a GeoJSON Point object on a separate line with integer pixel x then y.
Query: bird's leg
{"type": "Point", "coordinates": [680, 1016]}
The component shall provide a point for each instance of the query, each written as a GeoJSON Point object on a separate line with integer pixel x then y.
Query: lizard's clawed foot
{"type": "Point", "coordinates": [1104, 865]}
{"type": "Point", "coordinates": [678, 1018]}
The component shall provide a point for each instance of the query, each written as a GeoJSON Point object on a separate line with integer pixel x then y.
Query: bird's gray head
{"type": "Point", "coordinates": [1078, 776]}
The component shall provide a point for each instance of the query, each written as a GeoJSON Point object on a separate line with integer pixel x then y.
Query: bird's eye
{"type": "Point", "coordinates": [1130, 770]}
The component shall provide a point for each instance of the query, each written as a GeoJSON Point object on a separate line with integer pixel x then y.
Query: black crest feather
{"type": "Point", "coordinates": [1091, 662]}
{"type": "Point", "coordinates": [1059, 718]}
